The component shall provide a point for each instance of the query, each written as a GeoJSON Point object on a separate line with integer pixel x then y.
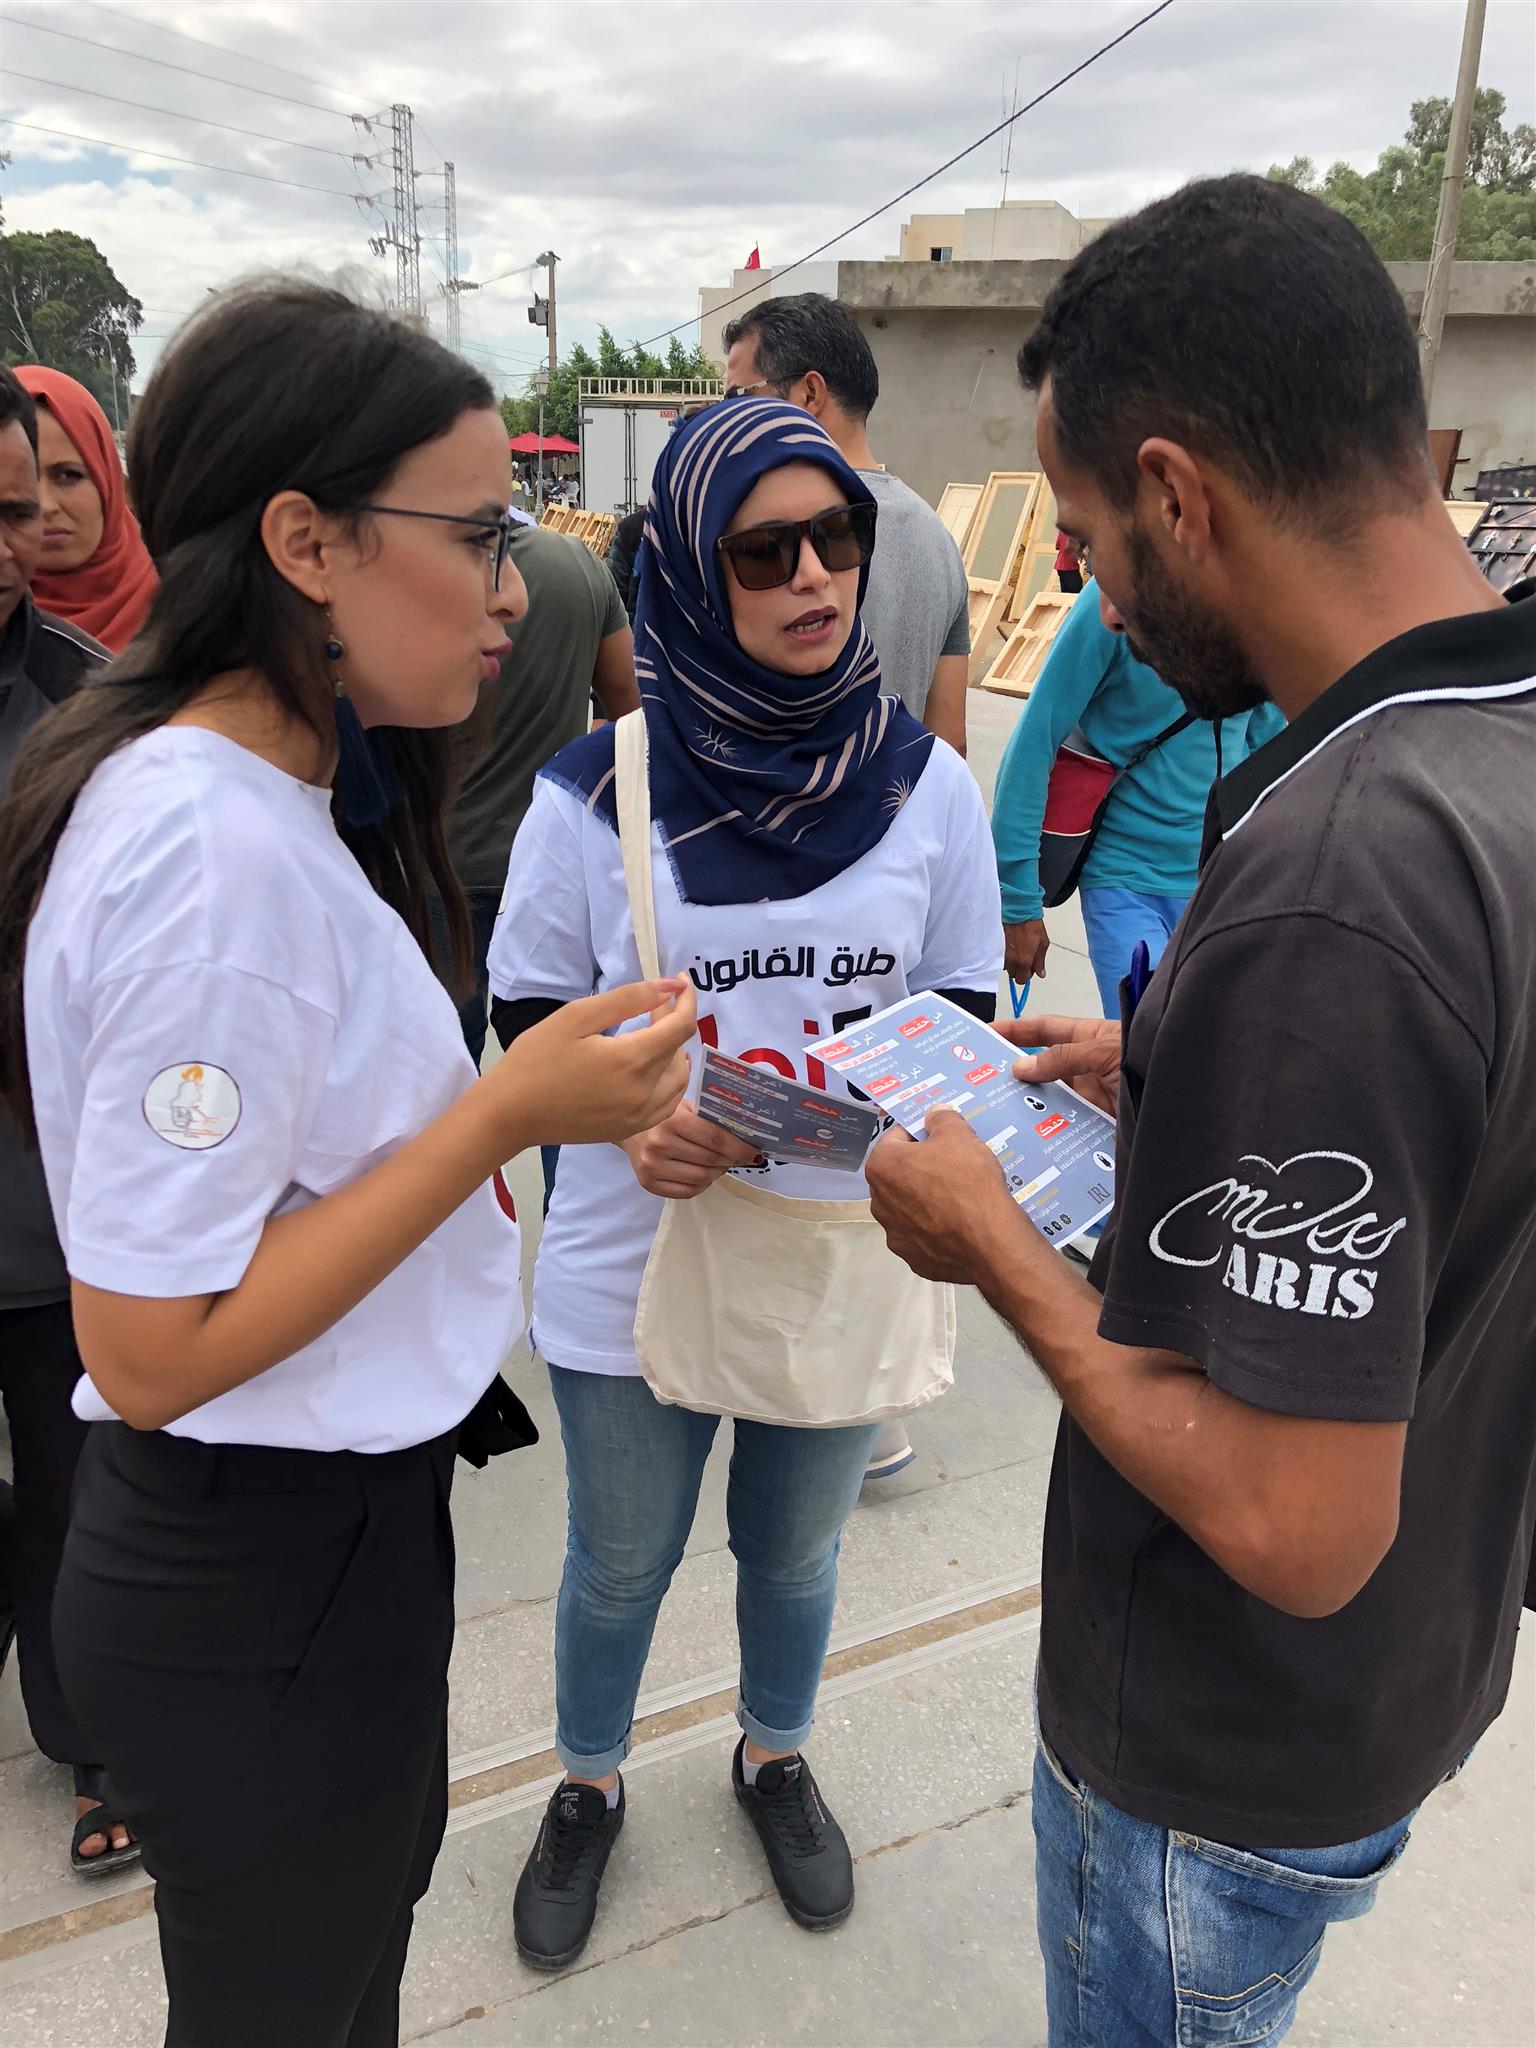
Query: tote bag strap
{"type": "Point", "coordinates": [632, 791]}
{"type": "Point", "coordinates": [632, 794]}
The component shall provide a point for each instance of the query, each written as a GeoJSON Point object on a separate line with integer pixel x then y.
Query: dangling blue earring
{"type": "Point", "coordinates": [365, 787]}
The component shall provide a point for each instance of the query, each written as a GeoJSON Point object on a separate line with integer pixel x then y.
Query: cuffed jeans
{"type": "Point", "coordinates": [633, 1469]}
{"type": "Point", "coordinates": [1157, 1939]}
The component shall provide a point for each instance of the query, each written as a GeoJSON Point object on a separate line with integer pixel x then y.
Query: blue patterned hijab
{"type": "Point", "coordinates": [765, 785]}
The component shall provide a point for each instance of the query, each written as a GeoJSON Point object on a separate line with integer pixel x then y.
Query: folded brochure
{"type": "Point", "coordinates": [785, 1118]}
{"type": "Point", "coordinates": [1056, 1151]}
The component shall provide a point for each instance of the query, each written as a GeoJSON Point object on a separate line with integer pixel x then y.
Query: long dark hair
{"type": "Point", "coordinates": [279, 384]}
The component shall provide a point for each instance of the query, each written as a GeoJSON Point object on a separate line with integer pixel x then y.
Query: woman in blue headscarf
{"type": "Point", "coordinates": [817, 855]}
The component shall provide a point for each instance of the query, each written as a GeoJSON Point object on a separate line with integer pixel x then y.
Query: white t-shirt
{"type": "Point", "coordinates": [921, 910]}
{"type": "Point", "coordinates": [224, 1022]}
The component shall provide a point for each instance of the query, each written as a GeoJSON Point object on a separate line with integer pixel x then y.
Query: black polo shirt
{"type": "Point", "coordinates": [1327, 1198]}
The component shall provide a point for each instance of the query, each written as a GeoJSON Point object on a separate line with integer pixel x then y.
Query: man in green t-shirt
{"type": "Point", "coordinates": [572, 650]}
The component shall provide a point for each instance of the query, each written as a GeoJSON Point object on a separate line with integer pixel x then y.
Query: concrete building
{"type": "Point", "coordinates": [1020, 231]}
{"type": "Point", "coordinates": [720, 304]}
{"type": "Point", "coordinates": [945, 318]}
{"type": "Point", "coordinates": [946, 334]}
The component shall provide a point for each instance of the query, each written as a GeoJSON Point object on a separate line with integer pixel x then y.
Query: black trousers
{"type": "Point", "coordinates": [38, 1369]}
{"type": "Point", "coordinates": [257, 1641]}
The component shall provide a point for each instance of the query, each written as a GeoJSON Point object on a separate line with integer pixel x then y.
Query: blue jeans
{"type": "Point", "coordinates": [1114, 920]}
{"type": "Point", "coordinates": [1156, 1939]}
{"type": "Point", "coordinates": [632, 1472]}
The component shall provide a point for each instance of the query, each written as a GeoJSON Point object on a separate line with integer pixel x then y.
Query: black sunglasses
{"type": "Point", "coordinates": [503, 528]}
{"type": "Point", "coordinates": [763, 557]}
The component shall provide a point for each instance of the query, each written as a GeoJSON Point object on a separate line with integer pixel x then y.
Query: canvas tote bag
{"type": "Point", "coordinates": [757, 1305]}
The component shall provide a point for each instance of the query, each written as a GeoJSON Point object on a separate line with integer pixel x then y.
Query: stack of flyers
{"type": "Point", "coordinates": [785, 1118]}
{"type": "Point", "coordinates": [1057, 1152]}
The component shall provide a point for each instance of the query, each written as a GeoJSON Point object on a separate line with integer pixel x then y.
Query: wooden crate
{"type": "Point", "coordinates": [957, 508]}
{"type": "Point", "coordinates": [1017, 668]}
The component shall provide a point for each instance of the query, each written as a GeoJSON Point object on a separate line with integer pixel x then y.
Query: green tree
{"type": "Point", "coordinates": [63, 305]}
{"type": "Point", "coordinates": [1394, 205]}
{"type": "Point", "coordinates": [1499, 160]}
{"type": "Point", "coordinates": [562, 406]}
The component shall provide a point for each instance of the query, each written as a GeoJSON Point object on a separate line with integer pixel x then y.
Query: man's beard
{"type": "Point", "coordinates": [1191, 649]}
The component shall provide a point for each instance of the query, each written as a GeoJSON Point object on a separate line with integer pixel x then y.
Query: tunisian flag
{"type": "Point", "coordinates": [754, 261]}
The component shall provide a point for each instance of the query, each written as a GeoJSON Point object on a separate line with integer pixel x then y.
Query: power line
{"type": "Point", "coordinates": [42, 28]}
{"type": "Point", "coordinates": [224, 50]}
{"type": "Point", "coordinates": [517, 362]}
{"type": "Point", "coordinates": [502, 275]}
{"type": "Point", "coordinates": [523, 363]}
{"type": "Point", "coordinates": [192, 162]}
{"type": "Point", "coordinates": [174, 114]}
{"type": "Point", "coordinates": [426, 138]}
{"type": "Point", "coordinates": [959, 156]}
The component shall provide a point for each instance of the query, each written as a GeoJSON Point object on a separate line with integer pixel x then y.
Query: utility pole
{"type": "Point", "coordinates": [404, 235]}
{"type": "Point", "coordinates": [1437, 285]}
{"type": "Point", "coordinates": [549, 259]}
{"type": "Point", "coordinates": [451, 243]}
{"type": "Point", "coordinates": [541, 386]}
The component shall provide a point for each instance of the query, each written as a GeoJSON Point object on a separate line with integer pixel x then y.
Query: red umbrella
{"type": "Point", "coordinates": [554, 444]}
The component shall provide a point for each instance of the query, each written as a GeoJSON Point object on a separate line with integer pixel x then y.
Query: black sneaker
{"type": "Point", "coordinates": [806, 1849]}
{"type": "Point", "coordinates": [556, 1900]}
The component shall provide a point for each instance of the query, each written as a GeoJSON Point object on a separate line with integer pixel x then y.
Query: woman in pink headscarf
{"type": "Point", "coordinates": [95, 570]}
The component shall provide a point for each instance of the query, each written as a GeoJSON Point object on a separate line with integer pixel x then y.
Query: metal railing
{"type": "Point", "coordinates": [616, 390]}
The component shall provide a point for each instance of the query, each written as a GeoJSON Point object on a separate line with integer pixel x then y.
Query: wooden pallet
{"type": "Point", "coordinates": [593, 529]}
{"type": "Point", "coordinates": [1017, 669]}
{"type": "Point", "coordinates": [957, 508]}
{"type": "Point", "coordinates": [597, 534]}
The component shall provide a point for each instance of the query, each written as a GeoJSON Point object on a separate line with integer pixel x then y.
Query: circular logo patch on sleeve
{"type": "Point", "coordinates": [194, 1106]}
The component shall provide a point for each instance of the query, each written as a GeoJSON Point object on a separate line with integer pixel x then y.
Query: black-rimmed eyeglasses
{"type": "Point", "coordinates": [503, 528]}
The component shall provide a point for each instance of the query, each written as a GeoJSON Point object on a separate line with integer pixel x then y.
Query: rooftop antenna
{"type": "Point", "coordinates": [1009, 107]}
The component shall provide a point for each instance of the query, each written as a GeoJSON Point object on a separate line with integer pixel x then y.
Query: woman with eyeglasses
{"type": "Point", "coordinates": [816, 855]}
{"type": "Point", "coordinates": [276, 1175]}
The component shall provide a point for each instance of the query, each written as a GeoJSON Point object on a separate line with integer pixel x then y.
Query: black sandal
{"type": "Point", "coordinates": [91, 1783]}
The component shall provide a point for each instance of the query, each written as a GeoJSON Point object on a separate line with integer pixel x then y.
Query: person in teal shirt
{"type": "Point", "coordinates": [1141, 870]}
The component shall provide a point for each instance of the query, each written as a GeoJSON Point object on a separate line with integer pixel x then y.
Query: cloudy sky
{"type": "Point", "coordinates": [652, 145]}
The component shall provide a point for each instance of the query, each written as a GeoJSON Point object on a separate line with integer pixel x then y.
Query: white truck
{"type": "Point", "coordinates": [625, 423]}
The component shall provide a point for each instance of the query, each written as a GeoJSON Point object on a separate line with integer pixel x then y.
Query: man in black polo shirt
{"type": "Point", "coordinates": [1291, 1516]}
